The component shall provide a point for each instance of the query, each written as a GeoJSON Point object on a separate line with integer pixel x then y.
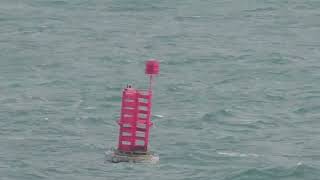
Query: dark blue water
{"type": "Point", "coordinates": [237, 98]}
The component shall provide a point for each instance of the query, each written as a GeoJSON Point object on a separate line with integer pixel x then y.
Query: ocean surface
{"type": "Point", "coordinates": [238, 96]}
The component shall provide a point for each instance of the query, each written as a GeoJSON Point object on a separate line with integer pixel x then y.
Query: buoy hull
{"type": "Point", "coordinates": [116, 156]}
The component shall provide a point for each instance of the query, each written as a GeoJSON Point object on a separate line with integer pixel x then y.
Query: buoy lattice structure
{"type": "Point", "coordinates": [135, 121]}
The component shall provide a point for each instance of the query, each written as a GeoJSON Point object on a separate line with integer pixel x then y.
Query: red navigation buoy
{"type": "Point", "coordinates": [135, 121]}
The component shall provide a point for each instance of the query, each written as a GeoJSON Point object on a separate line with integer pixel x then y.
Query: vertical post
{"type": "Point", "coordinates": [150, 83]}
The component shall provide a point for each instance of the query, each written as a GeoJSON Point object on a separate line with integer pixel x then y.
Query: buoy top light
{"type": "Point", "coordinates": [152, 67]}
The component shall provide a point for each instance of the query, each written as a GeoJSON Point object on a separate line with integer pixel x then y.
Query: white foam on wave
{"type": "Point", "coordinates": [157, 116]}
{"type": "Point", "coordinates": [236, 154]}
{"type": "Point", "coordinates": [155, 159]}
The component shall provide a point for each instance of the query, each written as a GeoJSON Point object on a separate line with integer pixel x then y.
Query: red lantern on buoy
{"type": "Point", "coordinates": [152, 67]}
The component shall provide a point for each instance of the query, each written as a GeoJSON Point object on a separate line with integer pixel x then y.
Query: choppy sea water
{"type": "Point", "coordinates": [237, 98]}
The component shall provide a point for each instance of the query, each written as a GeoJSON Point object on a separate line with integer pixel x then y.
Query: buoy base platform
{"type": "Point", "coordinates": [116, 156]}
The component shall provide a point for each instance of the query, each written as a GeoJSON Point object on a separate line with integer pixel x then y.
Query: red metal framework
{"type": "Point", "coordinates": [135, 120]}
